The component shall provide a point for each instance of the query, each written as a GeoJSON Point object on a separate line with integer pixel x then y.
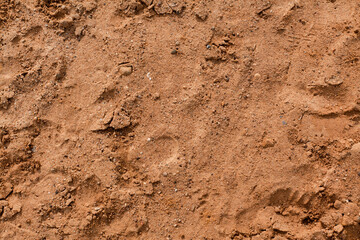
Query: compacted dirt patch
{"type": "Point", "coordinates": [170, 119]}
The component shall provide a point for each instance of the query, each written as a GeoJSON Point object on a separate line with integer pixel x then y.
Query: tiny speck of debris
{"type": "Point", "coordinates": [208, 46]}
{"type": "Point", "coordinates": [148, 76]}
{"type": "Point", "coordinates": [174, 51]}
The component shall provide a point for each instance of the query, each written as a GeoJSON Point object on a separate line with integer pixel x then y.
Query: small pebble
{"type": "Point", "coordinates": [125, 71]}
{"type": "Point", "coordinates": [208, 46]}
{"type": "Point", "coordinates": [174, 51]}
{"type": "Point", "coordinates": [257, 76]}
{"type": "Point", "coordinates": [148, 76]}
{"type": "Point", "coordinates": [334, 81]}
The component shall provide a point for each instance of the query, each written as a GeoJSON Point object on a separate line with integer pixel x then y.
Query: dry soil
{"type": "Point", "coordinates": [170, 119]}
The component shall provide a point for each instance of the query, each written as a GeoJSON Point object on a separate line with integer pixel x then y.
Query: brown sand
{"type": "Point", "coordinates": [169, 119]}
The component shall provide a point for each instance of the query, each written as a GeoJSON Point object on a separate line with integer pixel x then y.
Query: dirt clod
{"type": "Point", "coordinates": [5, 190]}
{"type": "Point", "coordinates": [337, 204]}
{"type": "Point", "coordinates": [338, 228]}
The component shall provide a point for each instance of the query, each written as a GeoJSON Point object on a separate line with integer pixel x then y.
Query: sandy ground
{"type": "Point", "coordinates": [169, 119]}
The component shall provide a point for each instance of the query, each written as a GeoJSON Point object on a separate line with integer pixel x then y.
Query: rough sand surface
{"type": "Point", "coordinates": [170, 119]}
